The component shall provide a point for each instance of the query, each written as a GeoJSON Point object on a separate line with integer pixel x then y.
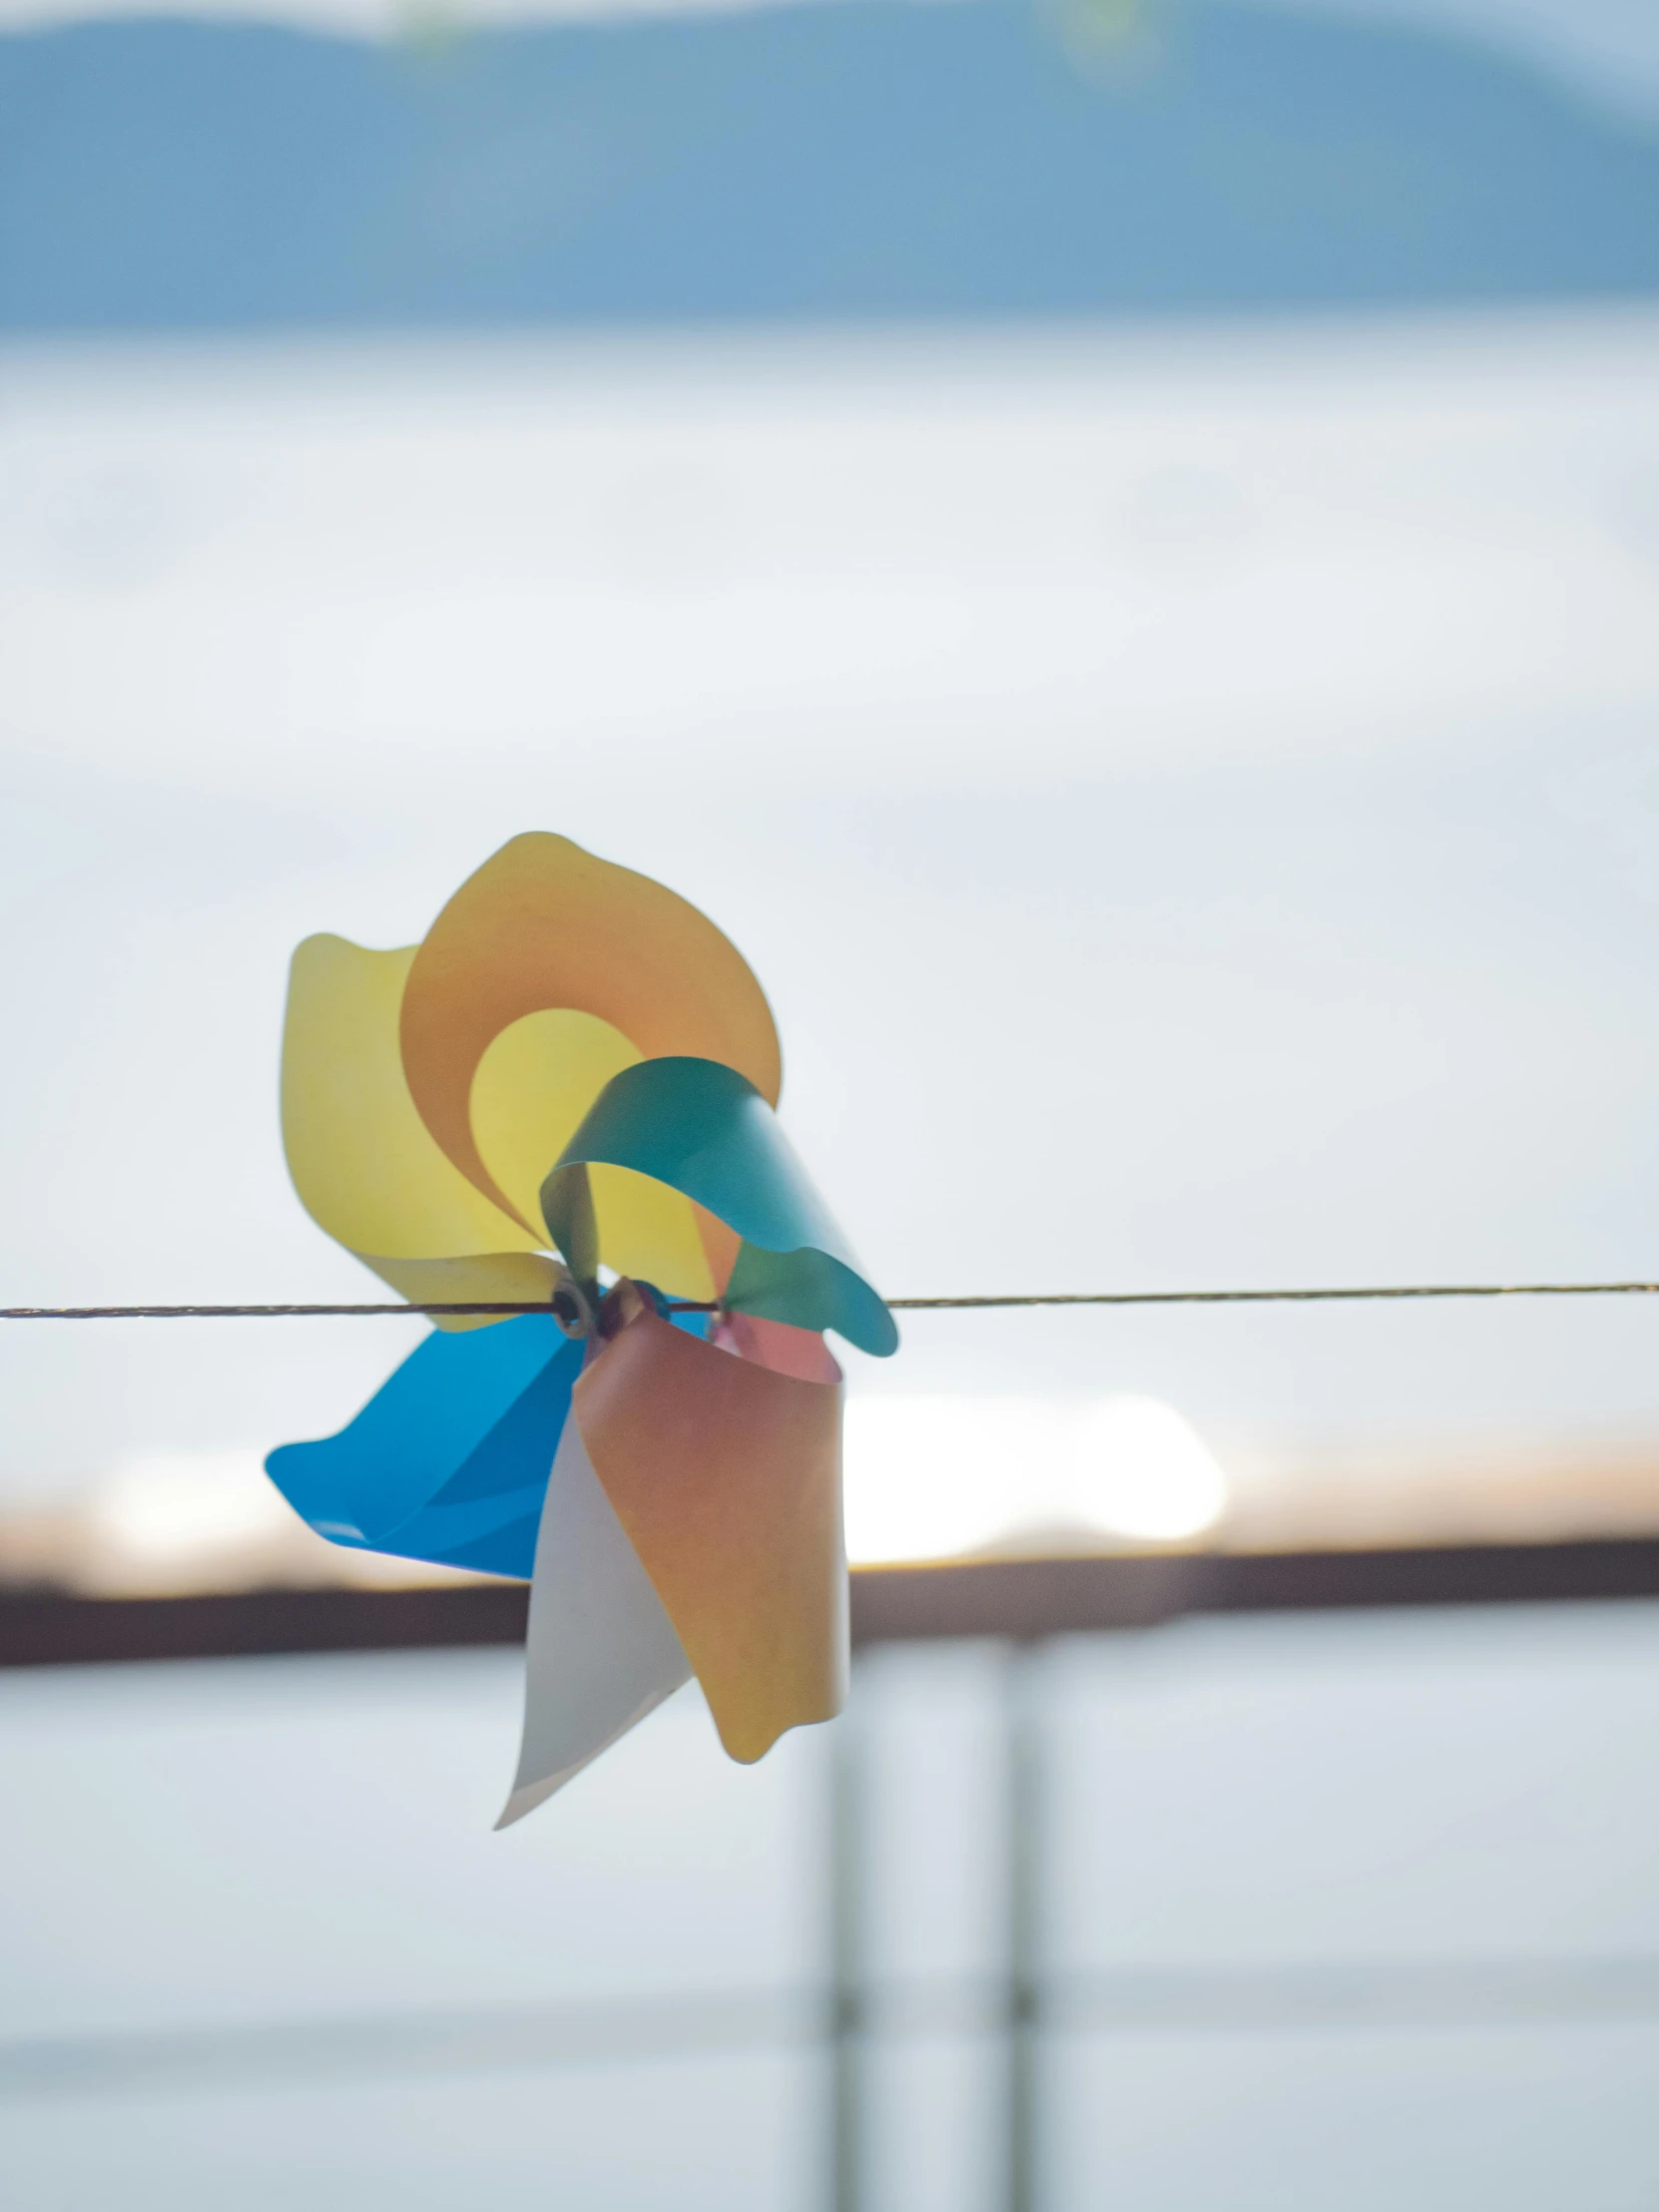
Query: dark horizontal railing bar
{"type": "Point", "coordinates": [1032, 1598]}
{"type": "Point", "coordinates": [1374, 1994]}
{"type": "Point", "coordinates": [1000, 1301]}
{"type": "Point", "coordinates": [277, 2052]}
{"type": "Point", "coordinates": [1024, 1599]}
{"type": "Point", "coordinates": [44, 1628]}
{"type": "Point", "coordinates": [1250, 1999]}
{"type": "Point", "coordinates": [1267, 1995]}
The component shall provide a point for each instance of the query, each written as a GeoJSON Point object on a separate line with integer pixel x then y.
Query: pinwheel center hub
{"type": "Point", "coordinates": [572, 1309]}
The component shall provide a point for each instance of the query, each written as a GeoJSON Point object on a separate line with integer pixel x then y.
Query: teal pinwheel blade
{"type": "Point", "coordinates": [448, 1461]}
{"type": "Point", "coordinates": [706, 1131]}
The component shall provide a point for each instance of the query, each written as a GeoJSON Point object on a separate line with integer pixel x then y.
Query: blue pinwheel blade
{"type": "Point", "coordinates": [449, 1460]}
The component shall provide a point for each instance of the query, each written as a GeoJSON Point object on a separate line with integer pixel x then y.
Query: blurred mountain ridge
{"type": "Point", "coordinates": [856, 161]}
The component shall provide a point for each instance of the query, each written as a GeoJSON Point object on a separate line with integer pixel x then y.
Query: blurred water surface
{"type": "Point", "coordinates": [258, 1943]}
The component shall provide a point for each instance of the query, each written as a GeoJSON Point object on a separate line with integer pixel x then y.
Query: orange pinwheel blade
{"type": "Point", "coordinates": [544, 925]}
{"type": "Point", "coordinates": [725, 1477]}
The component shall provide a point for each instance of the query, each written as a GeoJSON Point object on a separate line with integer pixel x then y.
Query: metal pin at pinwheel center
{"type": "Point", "coordinates": [565, 1095]}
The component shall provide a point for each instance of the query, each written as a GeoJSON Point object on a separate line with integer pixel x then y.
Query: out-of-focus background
{"type": "Point", "coordinates": [1115, 549]}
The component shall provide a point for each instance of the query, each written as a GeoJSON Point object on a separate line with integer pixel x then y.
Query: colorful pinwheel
{"type": "Point", "coordinates": [576, 1062]}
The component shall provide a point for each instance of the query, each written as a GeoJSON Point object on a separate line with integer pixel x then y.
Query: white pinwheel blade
{"type": "Point", "coordinates": [601, 1652]}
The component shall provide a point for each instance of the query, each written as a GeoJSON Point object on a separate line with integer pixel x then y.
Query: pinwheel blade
{"type": "Point", "coordinates": [543, 925]}
{"type": "Point", "coordinates": [364, 1164]}
{"type": "Point", "coordinates": [725, 1477]}
{"type": "Point", "coordinates": [601, 1651]}
{"type": "Point", "coordinates": [449, 1461]}
{"type": "Point", "coordinates": [705, 1130]}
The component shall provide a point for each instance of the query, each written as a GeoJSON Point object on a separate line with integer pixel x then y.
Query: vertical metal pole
{"type": "Point", "coordinates": [848, 1967]}
{"type": "Point", "coordinates": [1025, 1842]}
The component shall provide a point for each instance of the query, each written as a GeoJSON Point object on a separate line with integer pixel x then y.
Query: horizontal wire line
{"type": "Point", "coordinates": [1001, 1301]}
{"type": "Point", "coordinates": [1281, 1298]}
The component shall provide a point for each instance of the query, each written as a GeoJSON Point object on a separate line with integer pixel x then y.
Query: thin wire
{"type": "Point", "coordinates": [1283, 1297]}
{"type": "Point", "coordinates": [899, 1304]}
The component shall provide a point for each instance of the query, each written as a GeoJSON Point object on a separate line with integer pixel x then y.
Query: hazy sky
{"type": "Point", "coordinates": [1192, 804]}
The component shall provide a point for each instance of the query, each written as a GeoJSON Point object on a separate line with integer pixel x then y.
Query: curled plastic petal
{"type": "Point", "coordinates": [543, 925]}
{"type": "Point", "coordinates": [535, 1082]}
{"type": "Point", "coordinates": [702, 1129]}
{"type": "Point", "coordinates": [366, 1167]}
{"type": "Point", "coordinates": [725, 1477]}
{"type": "Point", "coordinates": [533, 1086]}
{"type": "Point", "coordinates": [448, 1461]}
{"type": "Point", "coordinates": [774, 1344]}
{"type": "Point", "coordinates": [601, 1652]}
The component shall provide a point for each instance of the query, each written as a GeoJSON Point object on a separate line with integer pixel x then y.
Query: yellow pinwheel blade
{"type": "Point", "coordinates": [364, 1164]}
{"type": "Point", "coordinates": [534, 1084]}
{"type": "Point", "coordinates": [544, 925]}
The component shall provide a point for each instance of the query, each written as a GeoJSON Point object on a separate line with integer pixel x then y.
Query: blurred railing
{"type": "Point", "coordinates": [1022, 1602]}
{"type": "Point", "coordinates": [1020, 1599]}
